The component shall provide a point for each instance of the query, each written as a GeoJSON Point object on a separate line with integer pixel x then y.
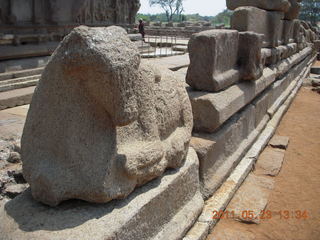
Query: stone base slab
{"type": "Point", "coordinates": [162, 209]}
{"type": "Point", "coordinates": [16, 97]}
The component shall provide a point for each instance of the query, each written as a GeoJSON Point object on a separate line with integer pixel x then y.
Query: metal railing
{"type": "Point", "coordinates": [160, 46]}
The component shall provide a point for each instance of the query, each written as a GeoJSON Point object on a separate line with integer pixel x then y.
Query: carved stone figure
{"type": "Point", "coordinates": [68, 11]}
{"type": "Point", "coordinates": [101, 122]}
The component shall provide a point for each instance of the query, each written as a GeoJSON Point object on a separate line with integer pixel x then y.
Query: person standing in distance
{"type": "Point", "coordinates": [141, 28]}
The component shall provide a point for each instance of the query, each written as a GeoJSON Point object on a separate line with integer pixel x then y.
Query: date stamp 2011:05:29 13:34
{"type": "Point", "coordinates": [264, 214]}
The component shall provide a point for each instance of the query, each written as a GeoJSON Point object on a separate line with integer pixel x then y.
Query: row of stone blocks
{"type": "Point", "coordinates": [244, 110]}
{"type": "Point", "coordinates": [221, 58]}
{"type": "Point", "coordinates": [102, 125]}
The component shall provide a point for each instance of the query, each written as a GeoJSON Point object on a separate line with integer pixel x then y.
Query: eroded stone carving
{"type": "Point", "coordinates": [100, 122]}
{"type": "Point", "coordinates": [71, 11]}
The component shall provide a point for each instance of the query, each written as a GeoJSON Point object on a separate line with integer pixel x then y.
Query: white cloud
{"type": "Point", "coordinates": [203, 7]}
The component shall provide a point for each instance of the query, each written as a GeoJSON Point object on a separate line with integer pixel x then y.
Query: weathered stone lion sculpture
{"type": "Point", "coordinates": [101, 122]}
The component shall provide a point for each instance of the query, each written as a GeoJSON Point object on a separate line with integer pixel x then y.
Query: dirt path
{"type": "Point", "coordinates": [317, 64]}
{"type": "Point", "coordinates": [297, 187]}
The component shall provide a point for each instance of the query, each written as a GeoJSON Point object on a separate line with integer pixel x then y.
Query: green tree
{"type": "Point", "coordinates": [223, 18]}
{"type": "Point", "coordinates": [310, 11]}
{"type": "Point", "coordinates": [171, 7]}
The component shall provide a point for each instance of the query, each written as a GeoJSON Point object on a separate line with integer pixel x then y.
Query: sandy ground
{"type": "Point", "coordinates": [297, 187]}
{"type": "Point", "coordinates": [317, 64]}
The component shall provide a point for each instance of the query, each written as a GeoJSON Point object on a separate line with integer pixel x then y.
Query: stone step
{"type": "Point", "coordinates": [19, 79]}
{"type": "Point", "coordinates": [28, 50]}
{"type": "Point", "coordinates": [22, 73]}
{"type": "Point", "coordinates": [16, 97]}
{"type": "Point", "coordinates": [17, 85]}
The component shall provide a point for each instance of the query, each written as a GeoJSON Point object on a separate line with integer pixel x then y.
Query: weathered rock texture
{"type": "Point", "coordinates": [249, 55]}
{"type": "Point", "coordinates": [32, 29]}
{"type": "Point", "coordinates": [100, 123]}
{"type": "Point", "coordinates": [259, 21]}
{"type": "Point", "coordinates": [18, 12]}
{"type": "Point", "coordinates": [213, 67]}
{"type": "Point", "coordinates": [293, 11]}
{"type": "Point", "coordinates": [162, 209]}
{"type": "Point", "coordinates": [273, 5]}
{"type": "Point", "coordinates": [274, 51]}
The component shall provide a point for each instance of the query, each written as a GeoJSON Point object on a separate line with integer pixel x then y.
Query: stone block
{"type": "Point", "coordinates": [21, 10]}
{"type": "Point", "coordinates": [273, 5]}
{"type": "Point", "coordinates": [16, 97]}
{"type": "Point", "coordinates": [119, 123]}
{"type": "Point", "coordinates": [266, 54]}
{"type": "Point", "coordinates": [294, 10]}
{"type": "Point", "coordinates": [270, 162]}
{"type": "Point", "coordinates": [285, 65]}
{"type": "Point", "coordinates": [216, 151]}
{"type": "Point", "coordinates": [287, 31]}
{"type": "Point", "coordinates": [258, 21]}
{"type": "Point", "coordinates": [12, 65]}
{"type": "Point", "coordinates": [296, 31]}
{"type": "Point", "coordinates": [211, 110]}
{"type": "Point", "coordinates": [213, 60]}
{"type": "Point", "coordinates": [150, 212]}
{"type": "Point", "coordinates": [316, 45]}
{"type": "Point", "coordinates": [279, 142]}
{"type": "Point", "coordinates": [250, 59]}
{"type": "Point", "coordinates": [27, 51]}
{"type": "Point", "coordinates": [262, 104]}
{"type": "Point", "coordinates": [252, 196]}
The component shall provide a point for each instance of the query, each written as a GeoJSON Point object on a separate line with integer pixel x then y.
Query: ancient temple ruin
{"type": "Point", "coordinates": [159, 151]}
{"type": "Point", "coordinates": [32, 29]}
{"type": "Point", "coordinates": [41, 15]}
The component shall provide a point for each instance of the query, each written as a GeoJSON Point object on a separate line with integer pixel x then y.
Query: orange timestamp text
{"type": "Point", "coordinates": [264, 214]}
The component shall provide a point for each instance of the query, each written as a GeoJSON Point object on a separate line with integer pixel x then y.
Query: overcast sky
{"type": "Point", "coordinates": [203, 7]}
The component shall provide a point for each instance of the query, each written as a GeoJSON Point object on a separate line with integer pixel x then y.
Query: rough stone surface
{"type": "Point", "coordinates": [72, 11]}
{"type": "Point", "coordinates": [211, 110]}
{"type": "Point", "coordinates": [14, 157]}
{"type": "Point", "coordinates": [151, 212]}
{"type": "Point", "coordinates": [262, 104]}
{"type": "Point", "coordinates": [250, 59]}
{"type": "Point", "coordinates": [116, 124]}
{"type": "Point", "coordinates": [199, 231]}
{"type": "Point", "coordinates": [219, 151]}
{"type": "Point", "coordinates": [15, 189]}
{"type": "Point", "coordinates": [287, 31]}
{"type": "Point", "coordinates": [213, 60]}
{"type": "Point", "coordinates": [296, 31]}
{"type": "Point", "coordinates": [279, 142]}
{"type": "Point", "coordinates": [259, 21]}
{"type": "Point", "coordinates": [294, 10]}
{"type": "Point", "coordinates": [273, 5]}
{"type": "Point", "coordinates": [252, 196]}
{"type": "Point", "coordinates": [270, 162]}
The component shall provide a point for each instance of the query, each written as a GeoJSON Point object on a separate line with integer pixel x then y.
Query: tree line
{"type": "Point", "coordinates": [173, 11]}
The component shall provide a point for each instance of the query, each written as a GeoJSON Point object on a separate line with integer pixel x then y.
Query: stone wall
{"type": "Point", "coordinates": [15, 13]}
{"type": "Point", "coordinates": [237, 77]}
